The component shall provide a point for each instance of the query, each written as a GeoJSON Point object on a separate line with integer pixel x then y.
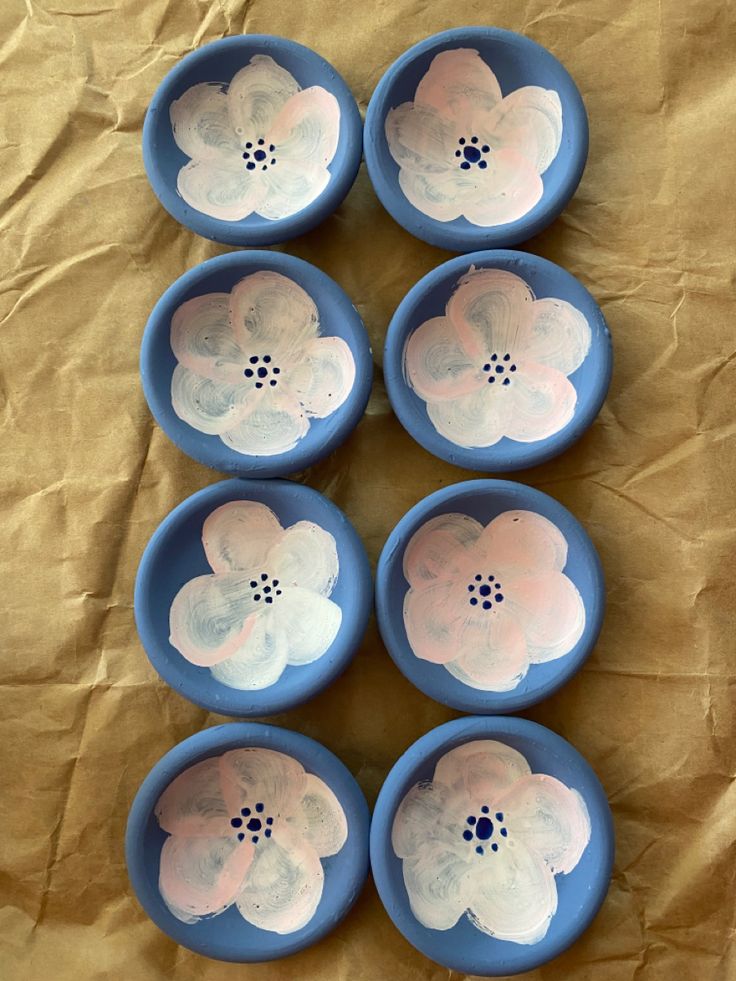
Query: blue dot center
{"type": "Point", "coordinates": [471, 153]}
{"type": "Point", "coordinates": [484, 828]}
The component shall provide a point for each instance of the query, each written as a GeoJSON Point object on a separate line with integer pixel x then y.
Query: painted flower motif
{"type": "Point", "coordinates": [253, 368]}
{"type": "Point", "coordinates": [486, 838]}
{"type": "Point", "coordinates": [248, 828]}
{"type": "Point", "coordinates": [497, 363]}
{"type": "Point", "coordinates": [260, 144]}
{"type": "Point", "coordinates": [266, 604]}
{"type": "Point", "coordinates": [464, 149]}
{"type": "Point", "coordinates": [488, 602]}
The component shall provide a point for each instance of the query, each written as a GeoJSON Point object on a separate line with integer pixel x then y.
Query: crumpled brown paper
{"type": "Point", "coordinates": [85, 250]}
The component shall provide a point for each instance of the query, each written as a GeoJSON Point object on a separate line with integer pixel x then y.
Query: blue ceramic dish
{"type": "Point", "coordinates": [580, 891]}
{"type": "Point", "coordinates": [228, 936]}
{"type": "Point", "coordinates": [506, 598]}
{"type": "Point", "coordinates": [548, 377]}
{"type": "Point", "coordinates": [493, 201]}
{"type": "Point", "coordinates": [235, 387]}
{"type": "Point", "coordinates": [217, 64]}
{"type": "Point", "coordinates": [176, 555]}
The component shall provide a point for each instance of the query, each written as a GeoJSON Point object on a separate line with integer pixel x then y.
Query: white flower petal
{"type": "Point", "coordinates": [528, 121]}
{"type": "Point", "coordinates": [208, 406]}
{"type": "Point", "coordinates": [550, 611]}
{"type": "Point", "coordinates": [267, 777]}
{"type": "Point", "coordinates": [420, 140]}
{"type": "Point", "coordinates": [458, 84]}
{"type": "Point", "coordinates": [272, 315]}
{"type": "Point", "coordinates": [202, 129]}
{"type": "Point", "coordinates": [490, 312]}
{"type": "Point", "coordinates": [507, 190]}
{"type": "Point", "coordinates": [514, 894]}
{"type": "Point", "coordinates": [523, 543]}
{"type": "Point", "coordinates": [256, 94]}
{"type": "Point", "coordinates": [436, 879]}
{"type": "Point", "coordinates": [325, 377]}
{"type": "Point", "coordinates": [193, 805]}
{"type": "Point", "coordinates": [423, 816]}
{"type": "Point", "coordinates": [434, 550]}
{"type": "Point", "coordinates": [436, 365]}
{"type": "Point", "coordinates": [306, 129]}
{"type": "Point", "coordinates": [290, 187]}
{"type": "Point", "coordinates": [309, 622]}
{"type": "Point", "coordinates": [210, 617]}
{"type": "Point", "coordinates": [482, 769]}
{"type": "Point", "coordinates": [284, 884]}
{"type": "Point", "coordinates": [475, 420]}
{"type": "Point", "coordinates": [432, 619]}
{"type": "Point", "coordinates": [559, 335]}
{"type": "Point", "coordinates": [218, 192]}
{"type": "Point", "coordinates": [274, 424]}
{"type": "Point", "coordinates": [237, 536]}
{"type": "Point", "coordinates": [550, 819]}
{"type": "Point", "coordinates": [202, 339]}
{"type": "Point", "coordinates": [259, 661]}
{"type": "Point", "coordinates": [319, 818]}
{"type": "Point", "coordinates": [491, 652]}
{"type": "Point", "coordinates": [202, 876]}
{"type": "Point", "coordinates": [542, 402]}
{"type": "Point", "coordinates": [442, 196]}
{"type": "Point", "coordinates": [305, 555]}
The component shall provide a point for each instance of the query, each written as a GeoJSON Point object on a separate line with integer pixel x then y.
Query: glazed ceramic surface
{"type": "Point", "coordinates": [252, 596]}
{"type": "Point", "coordinates": [497, 361]}
{"type": "Point", "coordinates": [256, 363]}
{"type": "Point", "coordinates": [252, 140]}
{"type": "Point", "coordinates": [489, 595]}
{"type": "Point", "coordinates": [475, 138]}
{"type": "Point", "coordinates": [247, 842]}
{"type": "Point", "coordinates": [491, 845]}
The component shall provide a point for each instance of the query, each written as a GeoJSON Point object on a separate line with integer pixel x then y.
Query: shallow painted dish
{"type": "Point", "coordinates": [497, 361]}
{"type": "Point", "coordinates": [492, 845]}
{"type": "Point", "coordinates": [252, 140]}
{"type": "Point", "coordinates": [256, 364]}
{"type": "Point", "coordinates": [252, 596]}
{"type": "Point", "coordinates": [489, 596]}
{"type": "Point", "coordinates": [247, 842]}
{"type": "Point", "coordinates": [475, 138]}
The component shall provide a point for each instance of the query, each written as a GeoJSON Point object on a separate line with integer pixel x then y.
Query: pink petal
{"type": "Point", "coordinates": [202, 876]}
{"type": "Point", "coordinates": [490, 312]}
{"type": "Point", "coordinates": [237, 536]}
{"type": "Point", "coordinates": [507, 190]}
{"type": "Point", "coordinates": [440, 195]}
{"type": "Point", "coordinates": [481, 769]}
{"type": "Point", "coordinates": [490, 652]}
{"type": "Point", "coordinates": [256, 95]}
{"type": "Point", "coordinates": [218, 192]}
{"type": "Point", "coordinates": [202, 339]}
{"type": "Point", "coordinates": [272, 315]}
{"type": "Point", "coordinates": [437, 367]}
{"type": "Point", "coordinates": [307, 128]}
{"type": "Point", "coordinates": [202, 129]}
{"type": "Point", "coordinates": [559, 336]}
{"type": "Point", "coordinates": [420, 140]}
{"type": "Point", "coordinates": [291, 186]}
{"type": "Point", "coordinates": [211, 616]}
{"type": "Point", "coordinates": [274, 425]}
{"type": "Point", "coordinates": [325, 377]}
{"type": "Point", "coordinates": [528, 121]}
{"type": "Point", "coordinates": [432, 618]}
{"type": "Point", "coordinates": [550, 611]}
{"type": "Point", "coordinates": [438, 549]}
{"type": "Point", "coordinates": [458, 84]}
{"type": "Point", "coordinates": [542, 403]}
{"type": "Point", "coordinates": [514, 896]}
{"type": "Point", "coordinates": [193, 805]}
{"type": "Point", "coordinates": [522, 543]}
{"type": "Point", "coordinates": [478, 419]}
{"type": "Point", "coordinates": [264, 776]}
{"type": "Point", "coordinates": [208, 406]}
{"type": "Point", "coordinates": [549, 818]}
{"type": "Point", "coordinates": [437, 883]}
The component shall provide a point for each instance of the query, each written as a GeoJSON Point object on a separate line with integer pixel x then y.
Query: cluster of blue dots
{"type": "Point", "coordinates": [261, 369]}
{"type": "Point", "coordinates": [471, 153]}
{"type": "Point", "coordinates": [481, 828]}
{"type": "Point", "coordinates": [481, 594]}
{"type": "Point", "coordinates": [497, 367]}
{"type": "Point", "coordinates": [254, 157]}
{"type": "Point", "coordinates": [266, 590]}
{"type": "Point", "coordinates": [253, 824]}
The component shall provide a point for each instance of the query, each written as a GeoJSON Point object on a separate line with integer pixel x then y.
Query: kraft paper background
{"type": "Point", "coordinates": [85, 251]}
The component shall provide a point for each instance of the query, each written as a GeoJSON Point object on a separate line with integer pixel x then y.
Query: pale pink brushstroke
{"type": "Point", "coordinates": [497, 363]}
{"type": "Point", "coordinates": [458, 109]}
{"type": "Point", "coordinates": [533, 612]}
{"type": "Point", "coordinates": [499, 867]}
{"type": "Point", "coordinates": [259, 145]}
{"type": "Point", "coordinates": [215, 857]}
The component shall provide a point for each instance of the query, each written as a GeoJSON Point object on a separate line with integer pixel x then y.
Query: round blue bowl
{"type": "Point", "coordinates": [228, 936]}
{"type": "Point", "coordinates": [428, 298]}
{"type": "Point", "coordinates": [516, 61]}
{"type": "Point", "coordinates": [218, 62]}
{"type": "Point", "coordinates": [175, 555]}
{"type": "Point", "coordinates": [580, 893]}
{"type": "Point", "coordinates": [338, 318]}
{"type": "Point", "coordinates": [484, 500]}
